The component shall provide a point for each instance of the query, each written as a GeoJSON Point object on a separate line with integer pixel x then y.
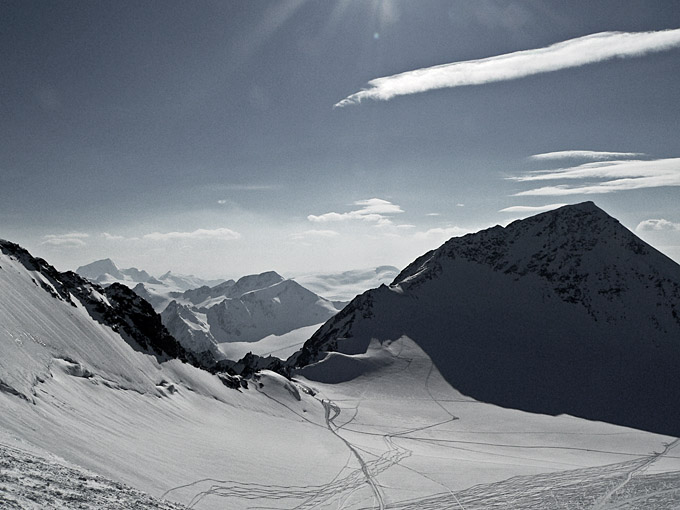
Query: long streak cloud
{"type": "Point", "coordinates": [510, 66]}
{"type": "Point", "coordinates": [605, 177]}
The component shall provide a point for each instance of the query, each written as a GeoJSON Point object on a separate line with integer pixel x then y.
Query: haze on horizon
{"type": "Point", "coordinates": [202, 137]}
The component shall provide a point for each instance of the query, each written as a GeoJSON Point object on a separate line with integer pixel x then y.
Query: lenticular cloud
{"type": "Point", "coordinates": [563, 55]}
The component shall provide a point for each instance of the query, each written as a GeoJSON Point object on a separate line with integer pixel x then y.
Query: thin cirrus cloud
{"type": "Point", "coordinates": [591, 155]}
{"type": "Point", "coordinates": [218, 234]}
{"type": "Point", "coordinates": [70, 240]}
{"type": "Point", "coordinates": [657, 224]}
{"type": "Point", "coordinates": [604, 177]}
{"type": "Point", "coordinates": [314, 234]}
{"type": "Point", "coordinates": [530, 209]}
{"type": "Point", "coordinates": [112, 237]}
{"type": "Point", "coordinates": [374, 210]}
{"type": "Point", "coordinates": [441, 234]}
{"type": "Point", "coordinates": [510, 66]}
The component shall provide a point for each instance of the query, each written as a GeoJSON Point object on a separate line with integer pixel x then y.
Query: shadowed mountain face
{"type": "Point", "coordinates": [564, 312]}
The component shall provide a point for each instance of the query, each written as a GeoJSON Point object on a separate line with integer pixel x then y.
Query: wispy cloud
{"type": "Point", "coordinates": [591, 155]}
{"type": "Point", "coordinates": [563, 55]}
{"type": "Point", "coordinates": [112, 237]}
{"type": "Point", "coordinates": [530, 209]}
{"type": "Point", "coordinates": [440, 234]}
{"type": "Point", "coordinates": [373, 210]}
{"type": "Point", "coordinates": [314, 234]}
{"type": "Point", "coordinates": [219, 234]}
{"type": "Point", "coordinates": [248, 187]}
{"type": "Point", "coordinates": [657, 224]}
{"type": "Point", "coordinates": [605, 177]}
{"type": "Point", "coordinates": [70, 240]}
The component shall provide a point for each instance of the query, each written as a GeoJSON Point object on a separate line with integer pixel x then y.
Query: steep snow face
{"type": "Point", "coordinates": [245, 312]}
{"type": "Point", "coordinates": [59, 321]}
{"type": "Point", "coordinates": [348, 284]}
{"type": "Point", "coordinates": [564, 312]}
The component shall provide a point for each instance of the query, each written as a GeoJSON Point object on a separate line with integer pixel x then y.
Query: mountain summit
{"type": "Point", "coordinates": [563, 312]}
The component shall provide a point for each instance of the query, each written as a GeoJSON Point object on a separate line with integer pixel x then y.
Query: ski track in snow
{"type": "Point", "coordinates": [616, 486]}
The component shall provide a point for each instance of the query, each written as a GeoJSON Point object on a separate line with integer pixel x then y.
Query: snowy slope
{"type": "Point", "coordinates": [394, 436]}
{"type": "Point", "coordinates": [378, 429]}
{"type": "Point", "coordinates": [564, 312]}
{"type": "Point", "coordinates": [49, 321]}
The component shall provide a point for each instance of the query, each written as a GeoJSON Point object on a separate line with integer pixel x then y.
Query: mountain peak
{"type": "Point", "coordinates": [563, 312]}
{"type": "Point", "coordinates": [549, 243]}
{"type": "Point", "coordinates": [96, 269]}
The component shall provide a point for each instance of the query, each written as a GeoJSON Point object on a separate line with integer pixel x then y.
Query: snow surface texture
{"type": "Point", "coordinates": [564, 312]}
{"type": "Point", "coordinates": [29, 481]}
{"type": "Point", "coordinates": [394, 436]}
{"type": "Point", "coordinates": [377, 428]}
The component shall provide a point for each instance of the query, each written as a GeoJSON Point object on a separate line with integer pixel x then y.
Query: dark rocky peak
{"type": "Point", "coordinates": [135, 318]}
{"type": "Point", "coordinates": [581, 251]}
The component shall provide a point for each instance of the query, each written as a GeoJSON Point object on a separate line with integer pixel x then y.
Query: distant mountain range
{"type": "Point", "coordinates": [262, 313]}
{"type": "Point", "coordinates": [564, 312]}
{"type": "Point", "coordinates": [105, 272]}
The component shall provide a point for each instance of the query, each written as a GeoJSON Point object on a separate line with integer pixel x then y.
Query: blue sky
{"type": "Point", "coordinates": [202, 137]}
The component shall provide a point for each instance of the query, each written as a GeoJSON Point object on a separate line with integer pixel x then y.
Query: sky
{"type": "Point", "coordinates": [222, 138]}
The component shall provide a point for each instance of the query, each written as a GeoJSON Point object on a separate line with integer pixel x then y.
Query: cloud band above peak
{"type": "Point", "coordinates": [562, 55]}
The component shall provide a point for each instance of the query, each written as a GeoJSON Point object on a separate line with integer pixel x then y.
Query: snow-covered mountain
{"type": "Point", "coordinates": [52, 317]}
{"type": "Point", "coordinates": [105, 272]}
{"type": "Point", "coordinates": [247, 311]}
{"type": "Point", "coordinates": [346, 285]}
{"type": "Point", "coordinates": [564, 312]}
{"type": "Point", "coordinates": [87, 391]}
